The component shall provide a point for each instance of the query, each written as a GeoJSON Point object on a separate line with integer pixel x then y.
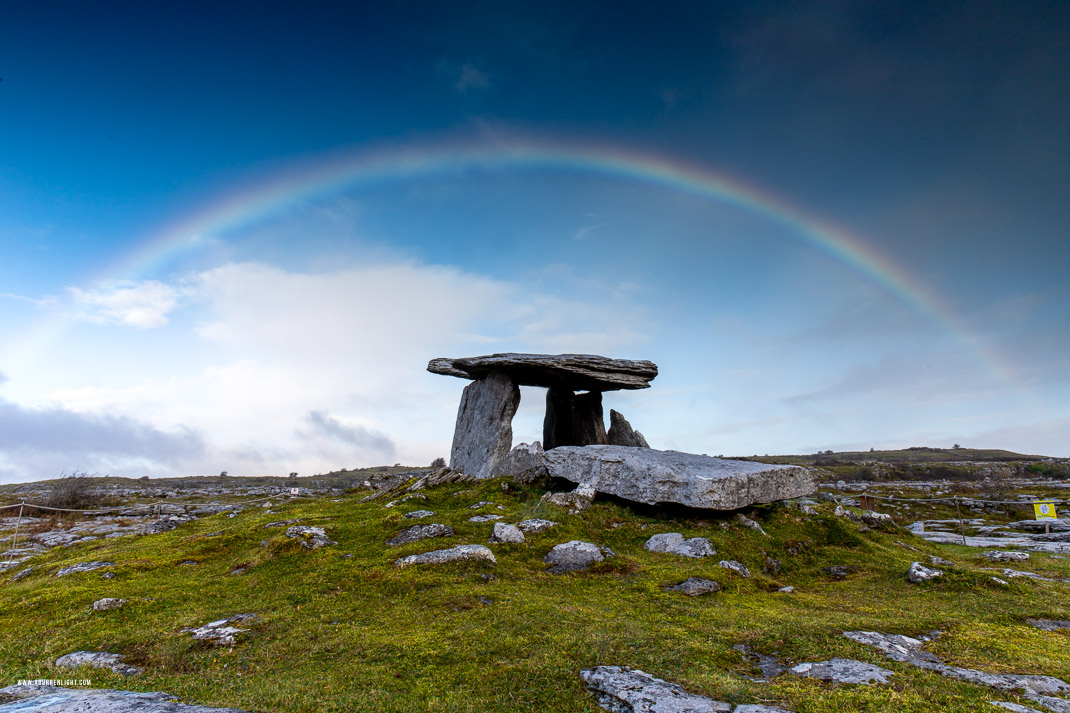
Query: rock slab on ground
{"type": "Point", "coordinates": [675, 544]}
{"type": "Point", "coordinates": [54, 699]}
{"type": "Point", "coordinates": [97, 659]}
{"type": "Point", "coordinates": [420, 532]}
{"type": "Point", "coordinates": [483, 434]}
{"type": "Point", "coordinates": [695, 586]}
{"type": "Point", "coordinates": [839, 670]}
{"type": "Point", "coordinates": [650, 476]}
{"type": "Point", "coordinates": [460, 553]}
{"type": "Point", "coordinates": [83, 567]}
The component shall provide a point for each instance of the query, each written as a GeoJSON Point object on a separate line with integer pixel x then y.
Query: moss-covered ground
{"type": "Point", "coordinates": [343, 629]}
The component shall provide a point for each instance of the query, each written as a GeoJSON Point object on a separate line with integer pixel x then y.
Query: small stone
{"type": "Point", "coordinates": [453, 554]}
{"type": "Point", "coordinates": [736, 567]}
{"type": "Point", "coordinates": [772, 566]}
{"type": "Point", "coordinates": [107, 575]}
{"type": "Point", "coordinates": [695, 586]}
{"type": "Point", "coordinates": [420, 532]}
{"type": "Point", "coordinates": [220, 631]}
{"type": "Point", "coordinates": [920, 573]}
{"type": "Point", "coordinates": [940, 561]}
{"type": "Point", "coordinates": [506, 533]}
{"type": "Point", "coordinates": [675, 544]}
{"type": "Point", "coordinates": [575, 502]}
{"type": "Point", "coordinates": [107, 604]}
{"type": "Point", "coordinates": [185, 563]}
{"type": "Point", "coordinates": [485, 518]}
{"type": "Point", "coordinates": [20, 575]}
{"type": "Point", "coordinates": [787, 590]}
{"type": "Point", "coordinates": [747, 522]}
{"type": "Point", "coordinates": [839, 670]}
{"type": "Point", "coordinates": [54, 699]}
{"type": "Point", "coordinates": [877, 519]}
{"type": "Point", "coordinates": [312, 538]}
{"type": "Point", "coordinates": [535, 525]}
{"type": "Point", "coordinates": [97, 659]}
{"type": "Point", "coordinates": [480, 504]}
{"type": "Point", "coordinates": [839, 571]}
{"type": "Point", "coordinates": [1005, 556]}
{"type": "Point", "coordinates": [417, 514]}
{"type": "Point", "coordinates": [1016, 707]}
{"type": "Point", "coordinates": [572, 556]}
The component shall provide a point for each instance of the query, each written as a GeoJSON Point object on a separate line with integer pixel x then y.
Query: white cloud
{"type": "Point", "coordinates": [134, 304]}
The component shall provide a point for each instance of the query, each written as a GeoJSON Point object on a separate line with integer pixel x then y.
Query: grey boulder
{"type": "Point", "coordinates": [621, 432]}
{"type": "Point", "coordinates": [674, 543]}
{"type": "Point", "coordinates": [107, 604]}
{"type": "Point", "coordinates": [695, 586]}
{"type": "Point", "coordinates": [460, 553]}
{"type": "Point", "coordinates": [535, 525]}
{"type": "Point", "coordinates": [484, 432]}
{"type": "Point", "coordinates": [920, 573]}
{"type": "Point", "coordinates": [311, 538]}
{"type": "Point", "coordinates": [737, 567]}
{"type": "Point", "coordinates": [506, 533]}
{"type": "Point", "coordinates": [625, 690]}
{"type": "Point", "coordinates": [574, 555]}
{"type": "Point", "coordinates": [649, 476]}
{"type": "Point", "coordinates": [220, 631]}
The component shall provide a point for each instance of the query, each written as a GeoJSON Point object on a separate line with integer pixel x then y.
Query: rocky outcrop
{"type": "Point", "coordinates": [220, 631]}
{"type": "Point", "coordinates": [460, 553]}
{"type": "Point", "coordinates": [83, 567]}
{"type": "Point", "coordinates": [577, 372]}
{"type": "Point", "coordinates": [54, 699]}
{"type": "Point", "coordinates": [649, 476]}
{"type": "Point", "coordinates": [621, 432]}
{"type": "Point", "coordinates": [621, 689]}
{"type": "Point", "coordinates": [483, 434]}
{"type": "Point", "coordinates": [920, 573]}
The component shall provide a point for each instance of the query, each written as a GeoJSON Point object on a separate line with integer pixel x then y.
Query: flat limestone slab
{"type": "Point", "coordinates": [649, 476]}
{"type": "Point", "coordinates": [53, 699]}
{"type": "Point", "coordinates": [578, 372]}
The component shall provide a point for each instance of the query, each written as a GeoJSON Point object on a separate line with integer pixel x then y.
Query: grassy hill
{"type": "Point", "coordinates": [343, 629]}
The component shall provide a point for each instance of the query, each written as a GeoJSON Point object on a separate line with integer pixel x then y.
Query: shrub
{"type": "Point", "coordinates": [74, 491]}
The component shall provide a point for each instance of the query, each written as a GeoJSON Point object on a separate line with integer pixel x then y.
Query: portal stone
{"type": "Point", "coordinates": [484, 432]}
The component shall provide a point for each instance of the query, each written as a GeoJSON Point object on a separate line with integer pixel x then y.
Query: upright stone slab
{"type": "Point", "coordinates": [557, 424]}
{"type": "Point", "coordinates": [589, 426]}
{"type": "Point", "coordinates": [484, 432]}
{"type": "Point", "coordinates": [621, 432]}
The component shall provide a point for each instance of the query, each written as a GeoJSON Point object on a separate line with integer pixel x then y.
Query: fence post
{"type": "Point", "coordinates": [962, 528]}
{"type": "Point", "coordinates": [15, 539]}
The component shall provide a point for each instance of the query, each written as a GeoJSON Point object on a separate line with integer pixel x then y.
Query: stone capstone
{"type": "Point", "coordinates": [839, 670]}
{"type": "Point", "coordinates": [695, 586]}
{"type": "Point", "coordinates": [572, 556]}
{"type": "Point", "coordinates": [621, 432]}
{"type": "Point", "coordinates": [311, 538]}
{"type": "Point", "coordinates": [54, 699]}
{"type": "Point", "coordinates": [460, 553]}
{"type": "Point", "coordinates": [506, 533]}
{"type": "Point", "coordinates": [107, 604]}
{"type": "Point", "coordinates": [675, 544]}
{"type": "Point", "coordinates": [420, 532]}
{"type": "Point", "coordinates": [97, 659]}
{"type": "Point", "coordinates": [577, 372]}
{"type": "Point", "coordinates": [649, 476]}
{"type": "Point", "coordinates": [483, 434]}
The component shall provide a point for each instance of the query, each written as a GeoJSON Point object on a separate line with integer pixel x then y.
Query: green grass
{"type": "Point", "coordinates": [358, 634]}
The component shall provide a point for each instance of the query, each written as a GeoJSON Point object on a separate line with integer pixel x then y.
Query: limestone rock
{"type": "Point", "coordinates": [747, 522]}
{"type": "Point", "coordinates": [311, 538]}
{"type": "Point", "coordinates": [1048, 624]}
{"type": "Point", "coordinates": [417, 514]}
{"type": "Point", "coordinates": [624, 690]}
{"type": "Point", "coordinates": [573, 555]}
{"type": "Point", "coordinates": [839, 571]}
{"type": "Point", "coordinates": [589, 427]}
{"type": "Point", "coordinates": [506, 533]}
{"type": "Point", "coordinates": [535, 525]}
{"type": "Point", "coordinates": [523, 462]}
{"type": "Point", "coordinates": [484, 432]}
{"type": "Point", "coordinates": [575, 502]}
{"type": "Point", "coordinates": [695, 586]}
{"type": "Point", "coordinates": [485, 518]}
{"type": "Point", "coordinates": [97, 659]}
{"type": "Point", "coordinates": [621, 432]}
{"type": "Point", "coordinates": [920, 573]}
{"type": "Point", "coordinates": [83, 567]}
{"type": "Point", "coordinates": [737, 567]}
{"type": "Point", "coordinates": [107, 604]}
{"type": "Point", "coordinates": [420, 532]}
{"type": "Point", "coordinates": [674, 543]}
{"type": "Point", "coordinates": [648, 476]}
{"type": "Point", "coordinates": [54, 699]}
{"type": "Point", "coordinates": [839, 670]}
{"type": "Point", "coordinates": [220, 631]}
{"type": "Point", "coordinates": [1005, 556]}
{"type": "Point", "coordinates": [577, 372]}
{"type": "Point", "coordinates": [459, 553]}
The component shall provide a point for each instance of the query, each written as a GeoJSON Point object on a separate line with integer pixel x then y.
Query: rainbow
{"type": "Point", "coordinates": [334, 173]}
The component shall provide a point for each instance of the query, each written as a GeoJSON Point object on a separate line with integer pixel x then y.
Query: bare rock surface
{"type": "Point", "coordinates": [83, 567]}
{"type": "Point", "coordinates": [54, 699]}
{"type": "Point", "coordinates": [420, 532]}
{"type": "Point", "coordinates": [525, 459]}
{"type": "Point", "coordinates": [1048, 624]}
{"type": "Point", "coordinates": [737, 567]}
{"type": "Point", "coordinates": [460, 553]}
{"type": "Point", "coordinates": [1005, 556]}
{"type": "Point", "coordinates": [97, 659]}
{"type": "Point", "coordinates": [578, 372]}
{"type": "Point", "coordinates": [839, 670]}
{"type": "Point", "coordinates": [649, 476]}
{"type": "Point", "coordinates": [485, 518]}
{"type": "Point", "coordinates": [625, 690]}
{"type": "Point", "coordinates": [695, 586]}
{"type": "Point", "coordinates": [574, 555]}
{"type": "Point", "coordinates": [621, 432]}
{"type": "Point", "coordinates": [312, 538]}
{"type": "Point", "coordinates": [483, 434]}
{"type": "Point", "coordinates": [675, 544]}
{"type": "Point", "coordinates": [417, 514]}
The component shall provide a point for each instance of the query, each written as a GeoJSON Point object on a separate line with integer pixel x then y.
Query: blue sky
{"type": "Point", "coordinates": [144, 336]}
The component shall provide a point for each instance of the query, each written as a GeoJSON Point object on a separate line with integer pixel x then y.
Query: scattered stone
{"type": "Point", "coordinates": [1018, 708]}
{"type": "Point", "coordinates": [940, 561]}
{"type": "Point", "coordinates": [236, 571]}
{"type": "Point", "coordinates": [282, 523]}
{"type": "Point", "coordinates": [164, 524]}
{"type": "Point", "coordinates": [420, 532]}
{"type": "Point", "coordinates": [675, 544]}
{"type": "Point", "coordinates": [83, 567]}
{"type": "Point", "coordinates": [535, 525]}
{"type": "Point", "coordinates": [839, 571]}
{"type": "Point", "coordinates": [311, 538]}
{"type": "Point", "coordinates": [695, 586]}
{"type": "Point", "coordinates": [736, 567]}
{"type": "Point", "coordinates": [624, 690]}
{"type": "Point", "coordinates": [1005, 556]}
{"type": "Point", "coordinates": [787, 590]}
{"type": "Point", "coordinates": [649, 476]}
{"type": "Point", "coordinates": [483, 434]}
{"type": "Point", "coordinates": [768, 665]}
{"type": "Point", "coordinates": [839, 670]}
{"type": "Point", "coordinates": [920, 573]}
{"type": "Point", "coordinates": [997, 580]}
{"type": "Point", "coordinates": [1013, 573]}
{"type": "Point", "coordinates": [621, 432]}
{"type": "Point", "coordinates": [575, 502]}
{"type": "Point", "coordinates": [184, 563]}
{"type": "Point", "coordinates": [20, 575]}
{"type": "Point", "coordinates": [107, 604]}
{"type": "Point", "coordinates": [1048, 624]}
{"type": "Point", "coordinates": [53, 699]}
{"type": "Point", "coordinates": [97, 659]}
{"type": "Point", "coordinates": [485, 518]}
{"type": "Point", "coordinates": [505, 533]}
{"type": "Point", "coordinates": [572, 556]}
{"type": "Point", "coordinates": [772, 566]}
{"type": "Point", "coordinates": [219, 632]}
{"type": "Point", "coordinates": [747, 522]}
{"type": "Point", "coordinates": [876, 519]}
{"type": "Point", "coordinates": [417, 514]}
{"type": "Point", "coordinates": [107, 575]}
{"type": "Point", "coordinates": [480, 504]}
{"type": "Point", "coordinates": [453, 554]}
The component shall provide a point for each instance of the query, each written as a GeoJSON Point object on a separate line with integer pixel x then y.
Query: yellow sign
{"type": "Point", "coordinates": [1044, 511]}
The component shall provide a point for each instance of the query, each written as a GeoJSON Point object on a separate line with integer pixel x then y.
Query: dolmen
{"type": "Point", "coordinates": [576, 445]}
